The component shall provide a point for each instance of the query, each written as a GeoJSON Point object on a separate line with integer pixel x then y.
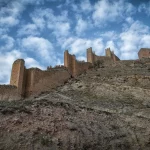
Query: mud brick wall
{"type": "Point", "coordinates": [82, 67]}
{"type": "Point", "coordinates": [111, 54]}
{"type": "Point", "coordinates": [18, 75]}
{"type": "Point", "coordinates": [38, 81]}
{"type": "Point", "coordinates": [70, 63]}
{"type": "Point", "coordinates": [8, 92]}
{"type": "Point", "coordinates": [115, 58]}
{"type": "Point", "coordinates": [75, 67]}
{"type": "Point", "coordinates": [25, 82]}
{"type": "Point", "coordinates": [91, 57]}
{"type": "Point", "coordinates": [144, 53]}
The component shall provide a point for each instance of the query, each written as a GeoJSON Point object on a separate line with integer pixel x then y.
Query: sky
{"type": "Point", "coordinates": [39, 31]}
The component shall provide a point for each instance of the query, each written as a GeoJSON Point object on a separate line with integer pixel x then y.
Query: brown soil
{"type": "Point", "coordinates": [107, 108]}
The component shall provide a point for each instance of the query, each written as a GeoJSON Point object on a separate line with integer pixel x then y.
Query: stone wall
{"type": "Point", "coordinates": [110, 56]}
{"type": "Point", "coordinates": [26, 82]}
{"type": "Point", "coordinates": [75, 67]}
{"type": "Point", "coordinates": [144, 53]}
{"type": "Point", "coordinates": [18, 75]}
{"type": "Point", "coordinates": [70, 62]}
{"type": "Point", "coordinates": [8, 92]}
{"type": "Point", "coordinates": [33, 81]}
{"type": "Point", "coordinates": [38, 81]}
{"type": "Point", "coordinates": [82, 67]}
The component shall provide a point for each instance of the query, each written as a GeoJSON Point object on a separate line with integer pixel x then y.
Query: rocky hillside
{"type": "Point", "coordinates": [106, 108]}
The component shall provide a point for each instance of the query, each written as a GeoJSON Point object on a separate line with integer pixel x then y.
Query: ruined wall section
{"type": "Point", "coordinates": [108, 53]}
{"type": "Point", "coordinates": [115, 58]}
{"type": "Point", "coordinates": [111, 55]}
{"type": "Point", "coordinates": [18, 76]}
{"type": "Point", "coordinates": [70, 62]}
{"type": "Point", "coordinates": [25, 82]}
{"type": "Point", "coordinates": [74, 67]}
{"type": "Point", "coordinates": [8, 92]}
{"type": "Point", "coordinates": [91, 57]}
{"type": "Point", "coordinates": [38, 81]}
{"type": "Point", "coordinates": [144, 53]}
{"type": "Point", "coordinates": [82, 67]}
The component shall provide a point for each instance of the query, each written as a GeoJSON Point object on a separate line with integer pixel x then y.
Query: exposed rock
{"type": "Point", "coordinates": [107, 108]}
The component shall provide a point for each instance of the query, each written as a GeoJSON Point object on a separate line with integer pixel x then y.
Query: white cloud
{"type": "Point", "coordinates": [60, 28]}
{"type": "Point", "coordinates": [128, 55]}
{"type": "Point", "coordinates": [8, 43]}
{"type": "Point", "coordinates": [86, 6]}
{"type": "Point", "coordinates": [39, 46]}
{"type": "Point", "coordinates": [39, 22]}
{"type": "Point", "coordinates": [28, 29]}
{"type": "Point", "coordinates": [39, 17]}
{"type": "Point", "coordinates": [9, 15]}
{"type": "Point", "coordinates": [129, 20]}
{"type": "Point", "coordinates": [134, 37]}
{"type": "Point", "coordinates": [10, 12]}
{"type": "Point", "coordinates": [144, 7]}
{"type": "Point", "coordinates": [6, 61]}
{"type": "Point", "coordinates": [110, 11]}
{"type": "Point", "coordinates": [31, 62]}
{"type": "Point", "coordinates": [3, 31]}
{"type": "Point", "coordinates": [82, 58]}
{"type": "Point", "coordinates": [81, 26]}
{"type": "Point", "coordinates": [35, 2]}
{"type": "Point", "coordinates": [78, 46]}
{"type": "Point", "coordinates": [79, 7]}
{"type": "Point", "coordinates": [8, 21]}
{"type": "Point", "coordinates": [41, 49]}
{"type": "Point", "coordinates": [113, 47]}
{"type": "Point", "coordinates": [59, 24]}
{"type": "Point", "coordinates": [145, 41]}
{"type": "Point", "coordinates": [109, 35]}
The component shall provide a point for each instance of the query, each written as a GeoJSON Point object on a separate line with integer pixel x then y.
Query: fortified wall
{"type": "Point", "coordinates": [109, 56]}
{"type": "Point", "coordinates": [34, 80]}
{"type": "Point", "coordinates": [144, 53]}
{"type": "Point", "coordinates": [30, 82]}
{"type": "Point", "coordinates": [74, 67]}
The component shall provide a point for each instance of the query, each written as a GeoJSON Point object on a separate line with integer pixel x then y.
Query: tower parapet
{"type": "Point", "coordinates": [30, 82]}
{"type": "Point", "coordinates": [70, 63]}
{"type": "Point", "coordinates": [18, 76]}
{"type": "Point", "coordinates": [108, 52]}
{"type": "Point", "coordinates": [111, 54]}
{"type": "Point", "coordinates": [144, 53]}
{"type": "Point", "coordinates": [90, 55]}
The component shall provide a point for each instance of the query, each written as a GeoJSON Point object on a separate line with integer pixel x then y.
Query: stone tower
{"type": "Point", "coordinates": [18, 76]}
{"type": "Point", "coordinates": [66, 59]}
{"type": "Point", "coordinates": [70, 62]}
{"type": "Point", "coordinates": [90, 57]}
{"type": "Point", "coordinates": [108, 52]}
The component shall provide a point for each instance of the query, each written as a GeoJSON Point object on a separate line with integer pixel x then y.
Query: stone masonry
{"type": "Point", "coordinates": [144, 53]}
{"type": "Point", "coordinates": [33, 81]}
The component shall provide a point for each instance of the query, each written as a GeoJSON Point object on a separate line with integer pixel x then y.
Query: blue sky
{"type": "Point", "coordinates": [40, 30]}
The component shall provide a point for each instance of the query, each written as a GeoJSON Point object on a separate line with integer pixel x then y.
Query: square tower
{"type": "Point", "coordinates": [18, 76]}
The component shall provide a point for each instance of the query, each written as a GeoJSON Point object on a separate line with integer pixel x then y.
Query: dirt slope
{"type": "Point", "coordinates": [107, 108]}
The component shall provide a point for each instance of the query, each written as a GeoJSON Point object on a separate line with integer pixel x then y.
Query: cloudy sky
{"type": "Point", "coordinates": [40, 30]}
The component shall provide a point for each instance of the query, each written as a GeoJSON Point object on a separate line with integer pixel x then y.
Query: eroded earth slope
{"type": "Point", "coordinates": [106, 108]}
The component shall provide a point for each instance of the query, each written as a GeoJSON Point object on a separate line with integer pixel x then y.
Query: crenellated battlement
{"type": "Point", "coordinates": [33, 81]}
